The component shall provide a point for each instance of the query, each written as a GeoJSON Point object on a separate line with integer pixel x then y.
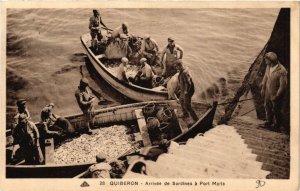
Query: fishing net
{"type": "Point", "coordinates": [117, 50]}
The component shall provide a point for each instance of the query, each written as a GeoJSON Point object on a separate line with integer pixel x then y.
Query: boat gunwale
{"type": "Point", "coordinates": [131, 86]}
{"type": "Point", "coordinates": [197, 122]}
{"type": "Point", "coordinates": [49, 165]}
{"type": "Point", "coordinates": [114, 108]}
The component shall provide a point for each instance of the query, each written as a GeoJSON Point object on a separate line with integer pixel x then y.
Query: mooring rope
{"type": "Point", "coordinates": [224, 103]}
{"type": "Point", "coordinates": [248, 111]}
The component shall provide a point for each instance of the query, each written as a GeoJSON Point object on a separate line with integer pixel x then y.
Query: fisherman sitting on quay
{"type": "Point", "coordinates": [171, 52]}
{"type": "Point", "coordinates": [95, 28]}
{"type": "Point", "coordinates": [26, 135]}
{"type": "Point", "coordinates": [85, 101]}
{"type": "Point", "coordinates": [144, 76]}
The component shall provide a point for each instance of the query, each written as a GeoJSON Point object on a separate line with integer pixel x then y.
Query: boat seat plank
{"type": "Point", "coordinates": [182, 124]}
{"type": "Point", "coordinates": [143, 128]}
{"type": "Point", "coordinates": [49, 151]}
{"type": "Point", "coordinates": [138, 137]}
{"type": "Point", "coordinates": [100, 56]}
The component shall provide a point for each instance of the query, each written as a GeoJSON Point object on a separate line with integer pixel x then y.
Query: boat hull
{"type": "Point", "coordinates": [129, 90]}
{"type": "Point", "coordinates": [71, 170]}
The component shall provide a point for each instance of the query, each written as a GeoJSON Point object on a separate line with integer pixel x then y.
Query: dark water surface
{"type": "Point", "coordinates": [44, 50]}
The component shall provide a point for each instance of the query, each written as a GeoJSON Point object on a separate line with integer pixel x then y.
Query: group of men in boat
{"type": "Point", "coordinates": [173, 54]}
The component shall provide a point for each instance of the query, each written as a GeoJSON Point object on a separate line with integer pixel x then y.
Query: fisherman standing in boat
{"type": "Point", "coordinates": [149, 49]}
{"type": "Point", "coordinates": [27, 136]}
{"type": "Point", "coordinates": [85, 101]}
{"type": "Point", "coordinates": [121, 74]}
{"type": "Point", "coordinates": [95, 28]}
{"type": "Point", "coordinates": [48, 119]}
{"type": "Point", "coordinates": [54, 124]}
{"type": "Point", "coordinates": [22, 109]}
{"type": "Point", "coordinates": [171, 52]}
{"type": "Point", "coordinates": [187, 90]}
{"type": "Point", "coordinates": [274, 85]}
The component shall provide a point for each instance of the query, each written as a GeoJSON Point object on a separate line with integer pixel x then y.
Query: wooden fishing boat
{"type": "Point", "coordinates": [131, 115]}
{"type": "Point", "coordinates": [132, 91]}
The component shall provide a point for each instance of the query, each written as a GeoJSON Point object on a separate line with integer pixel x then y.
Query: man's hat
{"type": "Point", "coordinates": [147, 36]}
{"type": "Point", "coordinates": [96, 12]}
{"type": "Point", "coordinates": [142, 60]}
{"type": "Point", "coordinates": [271, 56]}
{"type": "Point", "coordinates": [84, 81]}
{"type": "Point", "coordinates": [170, 39]}
{"type": "Point", "coordinates": [100, 157]}
{"type": "Point", "coordinates": [124, 59]}
{"type": "Point", "coordinates": [99, 166]}
{"type": "Point", "coordinates": [50, 104]}
{"type": "Point", "coordinates": [21, 102]}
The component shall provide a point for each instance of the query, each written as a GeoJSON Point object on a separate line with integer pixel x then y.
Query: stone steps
{"type": "Point", "coordinates": [272, 148]}
{"type": "Point", "coordinates": [219, 153]}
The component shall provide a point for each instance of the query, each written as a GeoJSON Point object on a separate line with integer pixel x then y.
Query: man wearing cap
{"type": "Point", "coordinates": [171, 52]}
{"type": "Point", "coordinates": [146, 74]}
{"type": "Point", "coordinates": [85, 101]}
{"type": "Point", "coordinates": [47, 115]}
{"type": "Point", "coordinates": [54, 124]}
{"type": "Point", "coordinates": [187, 90]}
{"type": "Point", "coordinates": [95, 27]}
{"type": "Point", "coordinates": [99, 170]}
{"type": "Point", "coordinates": [48, 120]}
{"type": "Point", "coordinates": [274, 85]}
{"type": "Point", "coordinates": [27, 136]}
{"type": "Point", "coordinates": [149, 49]}
{"type": "Point", "coordinates": [22, 109]}
{"type": "Point", "coordinates": [121, 74]}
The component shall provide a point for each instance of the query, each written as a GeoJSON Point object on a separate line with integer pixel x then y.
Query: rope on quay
{"type": "Point", "coordinates": [224, 103]}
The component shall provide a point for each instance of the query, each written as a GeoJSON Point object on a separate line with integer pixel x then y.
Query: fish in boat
{"type": "Point", "coordinates": [136, 117]}
{"type": "Point", "coordinates": [108, 72]}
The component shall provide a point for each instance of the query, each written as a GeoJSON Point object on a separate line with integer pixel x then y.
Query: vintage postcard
{"type": "Point", "coordinates": [128, 95]}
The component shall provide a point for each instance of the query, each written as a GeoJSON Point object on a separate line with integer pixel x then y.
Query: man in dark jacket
{"type": "Point", "coordinates": [274, 85]}
{"type": "Point", "coordinates": [85, 101]}
{"type": "Point", "coordinates": [187, 90]}
{"type": "Point", "coordinates": [27, 136]}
